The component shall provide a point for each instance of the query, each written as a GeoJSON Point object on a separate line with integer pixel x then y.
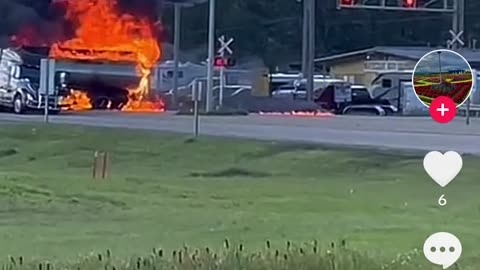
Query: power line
{"type": "Point", "coordinates": [276, 21]}
{"type": "Point", "coordinates": [331, 23]}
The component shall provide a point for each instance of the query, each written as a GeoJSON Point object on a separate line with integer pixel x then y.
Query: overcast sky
{"type": "Point", "coordinates": [430, 63]}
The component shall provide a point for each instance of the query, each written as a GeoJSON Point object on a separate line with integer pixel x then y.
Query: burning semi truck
{"type": "Point", "coordinates": [108, 59]}
{"type": "Point", "coordinates": [79, 85]}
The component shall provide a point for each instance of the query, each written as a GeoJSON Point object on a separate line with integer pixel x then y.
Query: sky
{"type": "Point", "coordinates": [449, 60]}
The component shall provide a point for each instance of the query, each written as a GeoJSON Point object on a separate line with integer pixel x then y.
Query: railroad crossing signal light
{"type": "Point", "coordinates": [224, 62]}
{"type": "Point", "coordinates": [347, 2]}
{"type": "Point", "coordinates": [218, 62]}
{"type": "Point", "coordinates": [410, 3]}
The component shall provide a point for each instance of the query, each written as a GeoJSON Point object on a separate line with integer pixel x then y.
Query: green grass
{"type": "Point", "coordinates": [165, 190]}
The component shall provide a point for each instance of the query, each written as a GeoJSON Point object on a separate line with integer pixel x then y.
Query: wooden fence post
{"type": "Point", "coordinates": [95, 163]}
{"type": "Point", "coordinates": [101, 164]}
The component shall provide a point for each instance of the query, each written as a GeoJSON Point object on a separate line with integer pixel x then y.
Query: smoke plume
{"type": "Point", "coordinates": [40, 22]}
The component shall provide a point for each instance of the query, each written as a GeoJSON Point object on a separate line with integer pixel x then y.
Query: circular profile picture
{"type": "Point", "coordinates": [442, 73]}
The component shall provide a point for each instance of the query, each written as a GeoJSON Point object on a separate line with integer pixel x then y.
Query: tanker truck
{"type": "Point", "coordinates": [104, 82]}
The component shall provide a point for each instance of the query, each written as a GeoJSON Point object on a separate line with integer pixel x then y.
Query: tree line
{"type": "Point", "coordinates": [272, 30]}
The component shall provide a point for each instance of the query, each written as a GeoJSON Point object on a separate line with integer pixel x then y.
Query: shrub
{"type": "Point", "coordinates": [234, 257]}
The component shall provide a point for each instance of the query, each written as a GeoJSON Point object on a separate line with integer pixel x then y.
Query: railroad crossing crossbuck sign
{"type": "Point", "coordinates": [224, 45]}
{"type": "Point", "coordinates": [456, 37]}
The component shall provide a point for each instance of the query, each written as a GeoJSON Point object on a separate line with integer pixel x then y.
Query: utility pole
{"type": "Point", "coordinates": [455, 16]}
{"type": "Point", "coordinates": [304, 38]}
{"type": "Point", "coordinates": [311, 50]}
{"type": "Point", "coordinates": [458, 27]}
{"type": "Point", "coordinates": [458, 24]}
{"type": "Point", "coordinates": [176, 49]}
{"type": "Point", "coordinates": [211, 52]}
{"type": "Point", "coordinates": [461, 15]}
{"type": "Point", "coordinates": [461, 23]}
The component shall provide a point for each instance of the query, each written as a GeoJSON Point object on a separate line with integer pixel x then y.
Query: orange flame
{"type": "Point", "coordinates": [104, 34]}
{"type": "Point", "coordinates": [77, 101]}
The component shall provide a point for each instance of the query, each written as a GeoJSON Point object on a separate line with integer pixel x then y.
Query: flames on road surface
{"type": "Point", "coordinates": [299, 113]}
{"type": "Point", "coordinates": [102, 33]}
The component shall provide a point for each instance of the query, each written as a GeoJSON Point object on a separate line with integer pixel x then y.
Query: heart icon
{"type": "Point", "coordinates": [443, 168]}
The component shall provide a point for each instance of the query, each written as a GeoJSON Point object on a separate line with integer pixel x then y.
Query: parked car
{"type": "Point", "coordinates": [284, 91]}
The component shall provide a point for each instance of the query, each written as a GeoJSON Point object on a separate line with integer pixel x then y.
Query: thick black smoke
{"type": "Point", "coordinates": [148, 8]}
{"type": "Point", "coordinates": [16, 13]}
{"type": "Point", "coordinates": [45, 20]}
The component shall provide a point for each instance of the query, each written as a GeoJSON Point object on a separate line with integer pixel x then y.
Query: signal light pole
{"type": "Point", "coordinates": [211, 52]}
{"type": "Point", "coordinates": [459, 28]}
{"type": "Point", "coordinates": [176, 49]}
{"type": "Point", "coordinates": [311, 50]}
{"type": "Point", "coordinates": [308, 46]}
{"type": "Point", "coordinates": [304, 38]}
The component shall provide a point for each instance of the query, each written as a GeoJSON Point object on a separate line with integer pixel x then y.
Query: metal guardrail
{"type": "Point", "coordinates": [474, 110]}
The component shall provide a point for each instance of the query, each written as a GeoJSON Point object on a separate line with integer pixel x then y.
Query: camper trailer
{"type": "Point", "coordinates": [389, 93]}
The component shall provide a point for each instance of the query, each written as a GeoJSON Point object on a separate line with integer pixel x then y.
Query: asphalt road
{"type": "Point", "coordinates": [378, 132]}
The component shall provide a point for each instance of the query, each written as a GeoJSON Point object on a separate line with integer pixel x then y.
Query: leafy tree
{"type": "Point", "coordinates": [272, 30]}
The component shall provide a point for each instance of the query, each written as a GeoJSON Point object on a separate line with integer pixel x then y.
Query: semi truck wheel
{"type": "Point", "coordinates": [18, 104]}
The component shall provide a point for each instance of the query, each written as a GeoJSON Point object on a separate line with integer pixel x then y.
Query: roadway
{"type": "Point", "coordinates": [407, 133]}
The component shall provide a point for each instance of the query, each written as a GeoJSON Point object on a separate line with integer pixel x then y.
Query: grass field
{"type": "Point", "coordinates": [166, 191]}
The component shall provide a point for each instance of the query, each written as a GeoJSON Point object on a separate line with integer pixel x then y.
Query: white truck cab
{"type": "Point", "coordinates": [19, 84]}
